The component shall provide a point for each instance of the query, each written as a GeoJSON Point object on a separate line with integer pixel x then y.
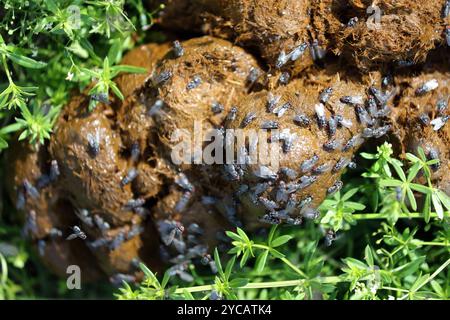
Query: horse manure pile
{"type": "Point", "coordinates": [280, 95]}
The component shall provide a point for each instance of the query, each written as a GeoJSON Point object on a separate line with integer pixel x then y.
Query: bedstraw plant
{"type": "Point", "coordinates": [384, 258]}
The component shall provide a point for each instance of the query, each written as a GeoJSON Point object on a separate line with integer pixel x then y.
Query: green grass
{"type": "Point", "coordinates": [48, 49]}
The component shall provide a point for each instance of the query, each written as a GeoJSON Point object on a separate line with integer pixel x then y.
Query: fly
{"type": "Point", "coordinates": [332, 127]}
{"type": "Point", "coordinates": [341, 164]}
{"type": "Point", "coordinates": [302, 120]}
{"type": "Point", "coordinates": [330, 236]}
{"type": "Point", "coordinates": [325, 95]}
{"type": "Point", "coordinates": [135, 152]}
{"type": "Point", "coordinates": [30, 226]}
{"type": "Point", "coordinates": [134, 203]}
{"type": "Point", "coordinates": [217, 108]}
{"type": "Point", "coordinates": [441, 106]}
{"type": "Point", "coordinates": [298, 51]}
{"type": "Point", "coordinates": [305, 202]}
{"type": "Point", "coordinates": [182, 181]}
{"type": "Point", "coordinates": [100, 97]}
{"type": "Point", "coordinates": [183, 202]}
{"type": "Point", "coordinates": [163, 77]}
{"type": "Point", "coordinates": [321, 169]}
{"type": "Point", "coordinates": [306, 181]}
{"type": "Point", "coordinates": [54, 171]}
{"type": "Point", "coordinates": [195, 228]}
{"type": "Point", "coordinates": [284, 78]}
{"type": "Point", "coordinates": [428, 86]}
{"type": "Point", "coordinates": [439, 122]}
{"type": "Point", "coordinates": [253, 75]}
{"type": "Point", "coordinates": [265, 172]}
{"type": "Point", "coordinates": [251, 116]}
{"type": "Point", "coordinates": [194, 83]}
{"type": "Point", "coordinates": [270, 124]}
{"type": "Point", "coordinates": [169, 230]}
{"type": "Point", "coordinates": [30, 190]}
{"type": "Point", "coordinates": [77, 233]}
{"type": "Point", "coordinates": [288, 173]}
{"type": "Point", "coordinates": [268, 204]}
{"type": "Point", "coordinates": [178, 50]}
{"type": "Point", "coordinates": [335, 187]}
{"type": "Point", "coordinates": [281, 110]}
{"type": "Point", "coordinates": [307, 165]}
{"type": "Point", "coordinates": [352, 100]}
{"type": "Point", "coordinates": [272, 102]}
{"type": "Point", "coordinates": [101, 224]}
{"type": "Point", "coordinates": [317, 53]}
{"type": "Point", "coordinates": [281, 60]}
{"type": "Point", "coordinates": [94, 143]}
{"type": "Point", "coordinates": [320, 114]}
{"type": "Point", "coordinates": [352, 22]}
{"type": "Point", "coordinates": [231, 116]}
{"type": "Point", "coordinates": [330, 145]}
{"type": "Point", "coordinates": [130, 176]}
{"type": "Point", "coordinates": [117, 241]}
{"type": "Point", "coordinates": [83, 215]}
{"type": "Point", "coordinates": [424, 119]}
{"type": "Point", "coordinates": [156, 108]}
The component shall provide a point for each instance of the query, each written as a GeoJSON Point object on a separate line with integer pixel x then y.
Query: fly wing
{"type": "Point", "coordinates": [179, 245]}
{"type": "Point", "coordinates": [71, 237]}
{"type": "Point", "coordinates": [185, 276]}
{"type": "Point", "coordinates": [168, 238]}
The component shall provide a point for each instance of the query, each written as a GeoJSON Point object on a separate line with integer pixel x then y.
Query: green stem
{"type": "Point", "coordinates": [412, 215]}
{"type": "Point", "coordinates": [5, 65]}
{"type": "Point", "coordinates": [293, 267]}
{"type": "Point", "coordinates": [4, 269]}
{"type": "Point", "coordinates": [263, 285]}
{"type": "Point", "coordinates": [394, 289]}
{"type": "Point", "coordinates": [431, 243]}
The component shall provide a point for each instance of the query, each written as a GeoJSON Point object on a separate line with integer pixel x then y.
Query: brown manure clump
{"type": "Point", "coordinates": [122, 198]}
{"type": "Point", "coordinates": [277, 30]}
{"type": "Point", "coordinates": [366, 33]}
{"type": "Point", "coordinates": [373, 33]}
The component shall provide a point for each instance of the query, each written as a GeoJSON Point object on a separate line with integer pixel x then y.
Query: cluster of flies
{"type": "Point", "coordinates": [368, 113]}
{"type": "Point", "coordinates": [186, 245]}
{"type": "Point", "coordinates": [441, 118]}
{"type": "Point", "coordinates": [29, 191]}
{"type": "Point", "coordinates": [182, 245]}
{"type": "Point", "coordinates": [282, 206]}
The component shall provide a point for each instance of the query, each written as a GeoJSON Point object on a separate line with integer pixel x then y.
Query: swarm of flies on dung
{"type": "Point", "coordinates": [28, 190]}
{"type": "Point", "coordinates": [370, 113]}
{"type": "Point", "coordinates": [182, 245]}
